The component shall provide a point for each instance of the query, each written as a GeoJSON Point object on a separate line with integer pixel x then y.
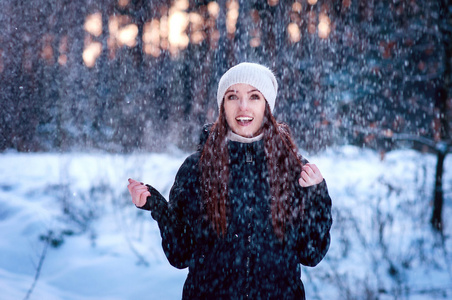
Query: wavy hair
{"type": "Point", "coordinates": [283, 164]}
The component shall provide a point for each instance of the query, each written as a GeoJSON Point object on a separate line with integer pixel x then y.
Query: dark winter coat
{"type": "Point", "coordinates": [250, 262]}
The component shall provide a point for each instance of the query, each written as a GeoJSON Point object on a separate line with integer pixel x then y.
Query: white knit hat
{"type": "Point", "coordinates": [256, 75]}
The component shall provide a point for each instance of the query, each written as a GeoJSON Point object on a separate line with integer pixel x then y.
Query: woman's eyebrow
{"type": "Point", "coordinates": [235, 91]}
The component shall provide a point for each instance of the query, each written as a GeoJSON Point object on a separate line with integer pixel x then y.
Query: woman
{"type": "Point", "coordinates": [245, 210]}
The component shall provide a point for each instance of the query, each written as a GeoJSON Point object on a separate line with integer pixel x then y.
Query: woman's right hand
{"type": "Point", "coordinates": [139, 192]}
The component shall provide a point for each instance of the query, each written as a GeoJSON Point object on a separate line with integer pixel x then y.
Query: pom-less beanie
{"type": "Point", "coordinates": [256, 75]}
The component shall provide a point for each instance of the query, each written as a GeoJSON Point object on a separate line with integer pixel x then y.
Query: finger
{"type": "Point", "coordinates": [318, 177]}
{"type": "Point", "coordinates": [314, 168]}
{"type": "Point", "coordinates": [307, 168]}
{"type": "Point", "coordinates": [138, 190]}
{"type": "Point", "coordinates": [305, 177]}
{"type": "Point", "coordinates": [302, 182]}
{"type": "Point", "coordinates": [132, 187]}
{"type": "Point", "coordinates": [132, 180]}
{"type": "Point", "coordinates": [134, 200]}
{"type": "Point", "coordinates": [135, 185]}
{"type": "Point", "coordinates": [139, 198]}
{"type": "Point", "coordinates": [143, 198]}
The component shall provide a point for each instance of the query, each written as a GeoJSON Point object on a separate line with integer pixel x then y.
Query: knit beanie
{"type": "Point", "coordinates": [256, 75]}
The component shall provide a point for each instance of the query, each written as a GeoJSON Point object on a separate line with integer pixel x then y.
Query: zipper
{"type": "Point", "coordinates": [248, 154]}
{"type": "Point", "coordinates": [248, 258]}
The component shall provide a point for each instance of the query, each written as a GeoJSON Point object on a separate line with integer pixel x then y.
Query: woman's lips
{"type": "Point", "coordinates": [244, 120]}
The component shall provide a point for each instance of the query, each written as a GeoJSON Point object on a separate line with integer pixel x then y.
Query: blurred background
{"type": "Point", "coordinates": [94, 92]}
{"type": "Point", "coordinates": [134, 75]}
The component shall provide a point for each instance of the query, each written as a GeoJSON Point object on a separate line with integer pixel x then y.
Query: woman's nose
{"type": "Point", "coordinates": [243, 104]}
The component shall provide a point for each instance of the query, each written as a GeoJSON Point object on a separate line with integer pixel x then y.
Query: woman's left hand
{"type": "Point", "coordinates": [310, 175]}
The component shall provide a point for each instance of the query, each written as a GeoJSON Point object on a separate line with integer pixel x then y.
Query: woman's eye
{"type": "Point", "coordinates": [255, 97]}
{"type": "Point", "coordinates": [232, 97]}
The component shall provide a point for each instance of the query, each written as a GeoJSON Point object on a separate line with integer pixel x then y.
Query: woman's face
{"type": "Point", "coordinates": [244, 107]}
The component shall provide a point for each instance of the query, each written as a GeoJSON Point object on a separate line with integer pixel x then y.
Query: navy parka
{"type": "Point", "coordinates": [250, 262]}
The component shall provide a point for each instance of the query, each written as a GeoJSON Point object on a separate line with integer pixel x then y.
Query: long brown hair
{"type": "Point", "coordinates": [284, 168]}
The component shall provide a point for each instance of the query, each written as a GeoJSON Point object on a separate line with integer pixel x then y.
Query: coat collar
{"type": "Point", "coordinates": [238, 138]}
{"type": "Point", "coordinates": [231, 137]}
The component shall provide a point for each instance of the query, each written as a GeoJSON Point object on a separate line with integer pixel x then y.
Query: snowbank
{"type": "Point", "coordinates": [104, 248]}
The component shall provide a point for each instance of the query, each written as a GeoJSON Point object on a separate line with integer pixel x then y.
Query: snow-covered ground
{"type": "Point", "coordinates": [102, 247]}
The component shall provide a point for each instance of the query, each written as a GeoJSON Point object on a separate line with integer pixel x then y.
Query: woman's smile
{"type": "Point", "coordinates": [244, 107]}
{"type": "Point", "coordinates": [244, 120]}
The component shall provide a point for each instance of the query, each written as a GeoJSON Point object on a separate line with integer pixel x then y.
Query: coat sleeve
{"type": "Point", "coordinates": [175, 230]}
{"type": "Point", "coordinates": [314, 232]}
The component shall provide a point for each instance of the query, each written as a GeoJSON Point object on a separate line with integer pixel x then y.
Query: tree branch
{"type": "Point", "coordinates": [38, 268]}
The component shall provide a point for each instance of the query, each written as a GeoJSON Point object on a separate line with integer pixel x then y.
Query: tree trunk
{"type": "Point", "coordinates": [441, 107]}
{"type": "Point", "coordinates": [438, 201]}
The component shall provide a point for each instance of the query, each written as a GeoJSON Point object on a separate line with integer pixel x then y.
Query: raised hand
{"type": "Point", "coordinates": [139, 192]}
{"type": "Point", "coordinates": [310, 175]}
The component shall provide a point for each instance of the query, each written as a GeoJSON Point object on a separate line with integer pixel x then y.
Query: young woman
{"type": "Point", "coordinates": [245, 210]}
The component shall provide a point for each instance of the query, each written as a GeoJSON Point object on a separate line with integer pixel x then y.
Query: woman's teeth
{"type": "Point", "coordinates": [244, 119]}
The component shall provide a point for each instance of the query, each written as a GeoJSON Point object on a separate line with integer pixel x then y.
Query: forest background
{"type": "Point", "coordinates": [123, 76]}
